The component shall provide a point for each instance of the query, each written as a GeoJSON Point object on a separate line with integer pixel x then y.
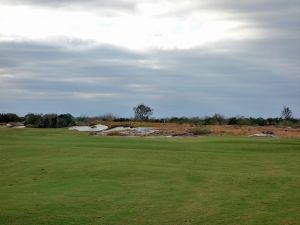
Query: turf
{"type": "Point", "coordinates": [56, 177]}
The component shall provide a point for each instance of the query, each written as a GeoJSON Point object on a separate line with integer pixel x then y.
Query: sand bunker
{"type": "Point", "coordinates": [262, 135]}
{"type": "Point", "coordinates": [122, 131]}
{"type": "Point", "coordinates": [128, 131]}
{"type": "Point", "coordinates": [19, 127]}
{"type": "Point", "coordinates": [15, 125]}
{"type": "Point", "coordinates": [95, 128]}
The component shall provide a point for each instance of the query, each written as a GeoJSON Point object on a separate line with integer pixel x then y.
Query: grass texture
{"type": "Point", "coordinates": [61, 177]}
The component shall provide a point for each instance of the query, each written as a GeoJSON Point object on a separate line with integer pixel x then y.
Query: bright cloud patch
{"type": "Point", "coordinates": [149, 27]}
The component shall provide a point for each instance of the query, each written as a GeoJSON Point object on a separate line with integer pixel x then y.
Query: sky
{"type": "Point", "coordinates": [181, 57]}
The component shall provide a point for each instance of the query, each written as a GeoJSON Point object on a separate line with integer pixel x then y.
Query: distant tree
{"type": "Point", "coordinates": [232, 121]}
{"type": "Point", "coordinates": [260, 121]}
{"type": "Point", "coordinates": [286, 113]}
{"type": "Point", "coordinates": [142, 112]}
{"type": "Point", "coordinates": [49, 120]}
{"type": "Point", "coordinates": [33, 119]}
{"type": "Point", "coordinates": [9, 117]}
{"type": "Point", "coordinates": [65, 120]}
{"type": "Point", "coordinates": [218, 119]}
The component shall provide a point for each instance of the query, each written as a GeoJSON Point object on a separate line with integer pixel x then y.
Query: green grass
{"type": "Point", "coordinates": [56, 177]}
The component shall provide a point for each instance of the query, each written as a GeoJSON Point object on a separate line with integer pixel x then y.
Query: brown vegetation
{"type": "Point", "coordinates": [176, 129]}
{"type": "Point", "coordinates": [249, 130]}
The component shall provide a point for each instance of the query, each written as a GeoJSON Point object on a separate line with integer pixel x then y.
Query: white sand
{"type": "Point", "coordinates": [103, 130]}
{"type": "Point", "coordinates": [136, 131]}
{"type": "Point", "coordinates": [261, 135]}
{"type": "Point", "coordinates": [19, 127]}
{"type": "Point", "coordinates": [98, 127]}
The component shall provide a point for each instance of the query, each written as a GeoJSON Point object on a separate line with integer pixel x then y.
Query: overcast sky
{"type": "Point", "coordinates": [181, 57]}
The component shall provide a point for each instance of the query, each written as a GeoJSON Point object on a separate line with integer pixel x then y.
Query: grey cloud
{"type": "Point", "coordinates": [278, 15]}
{"type": "Point", "coordinates": [103, 69]}
{"type": "Point", "coordinates": [270, 17]}
{"type": "Point", "coordinates": [248, 77]}
{"type": "Point", "coordinates": [109, 6]}
{"type": "Point", "coordinates": [252, 6]}
{"type": "Point", "coordinates": [240, 80]}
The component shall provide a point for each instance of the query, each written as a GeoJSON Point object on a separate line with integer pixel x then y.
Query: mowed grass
{"type": "Point", "coordinates": [56, 177]}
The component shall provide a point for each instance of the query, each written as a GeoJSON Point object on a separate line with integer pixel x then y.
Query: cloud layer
{"type": "Point", "coordinates": [241, 75]}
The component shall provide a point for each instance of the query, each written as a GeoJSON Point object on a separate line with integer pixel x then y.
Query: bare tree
{"type": "Point", "coordinates": [286, 113]}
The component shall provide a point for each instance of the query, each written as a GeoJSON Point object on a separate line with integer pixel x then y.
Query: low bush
{"type": "Point", "coordinates": [200, 131]}
{"type": "Point", "coordinates": [94, 123]}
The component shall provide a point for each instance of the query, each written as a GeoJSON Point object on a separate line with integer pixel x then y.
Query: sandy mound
{"type": "Point", "coordinates": [128, 131]}
{"type": "Point", "coordinates": [15, 125]}
{"type": "Point", "coordinates": [95, 128]}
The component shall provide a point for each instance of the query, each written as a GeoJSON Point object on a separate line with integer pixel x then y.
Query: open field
{"type": "Point", "coordinates": [57, 177]}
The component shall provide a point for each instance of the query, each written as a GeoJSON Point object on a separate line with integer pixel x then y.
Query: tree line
{"type": "Point", "coordinates": [40, 120]}
{"type": "Point", "coordinates": [143, 113]}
